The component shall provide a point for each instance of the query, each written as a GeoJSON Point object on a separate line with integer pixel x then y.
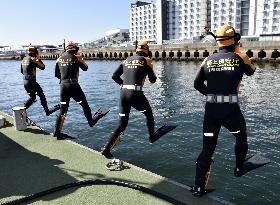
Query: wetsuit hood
{"type": "Point", "coordinates": [140, 53]}
{"type": "Point", "coordinates": [230, 48]}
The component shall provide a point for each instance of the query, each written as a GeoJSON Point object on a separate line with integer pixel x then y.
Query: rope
{"type": "Point", "coordinates": [95, 182]}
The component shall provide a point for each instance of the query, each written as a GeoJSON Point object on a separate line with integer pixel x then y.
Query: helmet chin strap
{"type": "Point", "coordinates": [222, 38]}
{"type": "Point", "coordinates": [211, 33]}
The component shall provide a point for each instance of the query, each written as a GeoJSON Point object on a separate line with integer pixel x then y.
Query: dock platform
{"type": "Point", "coordinates": [32, 161]}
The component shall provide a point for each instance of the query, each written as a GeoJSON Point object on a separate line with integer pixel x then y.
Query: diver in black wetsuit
{"type": "Point", "coordinates": [223, 73]}
{"type": "Point", "coordinates": [67, 70]}
{"type": "Point", "coordinates": [28, 69]}
{"type": "Point", "coordinates": [133, 71]}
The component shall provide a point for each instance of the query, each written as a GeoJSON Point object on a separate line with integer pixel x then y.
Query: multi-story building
{"type": "Point", "coordinates": [143, 21]}
{"type": "Point", "coordinates": [225, 11]}
{"type": "Point", "coordinates": [267, 17]}
{"type": "Point", "coordinates": [186, 19]}
{"type": "Point", "coordinates": [117, 36]}
{"type": "Point", "coordinates": [246, 10]}
{"type": "Point", "coordinates": [249, 17]}
{"type": "Point", "coordinates": [168, 19]}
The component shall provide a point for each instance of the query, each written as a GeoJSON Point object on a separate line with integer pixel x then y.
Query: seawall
{"type": "Point", "coordinates": [266, 51]}
{"type": "Point", "coordinates": [260, 51]}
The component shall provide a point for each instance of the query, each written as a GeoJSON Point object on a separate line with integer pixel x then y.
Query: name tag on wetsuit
{"type": "Point", "coordinates": [224, 64]}
{"type": "Point", "coordinates": [134, 63]}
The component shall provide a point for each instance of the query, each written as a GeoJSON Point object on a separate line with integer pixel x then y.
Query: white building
{"type": "Point", "coordinates": [117, 36]}
{"type": "Point", "coordinates": [143, 21]}
{"type": "Point", "coordinates": [225, 12]}
{"type": "Point", "coordinates": [249, 17]}
{"type": "Point", "coordinates": [252, 18]}
{"type": "Point", "coordinates": [186, 19]}
{"type": "Point", "coordinates": [167, 19]}
{"type": "Point", "coordinates": [267, 17]}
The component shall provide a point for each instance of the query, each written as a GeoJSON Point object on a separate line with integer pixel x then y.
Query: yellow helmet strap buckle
{"type": "Point", "coordinates": [223, 38]}
{"type": "Point", "coordinates": [236, 36]}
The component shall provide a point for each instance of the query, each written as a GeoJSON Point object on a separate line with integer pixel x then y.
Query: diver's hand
{"type": "Point", "coordinates": [81, 60]}
{"type": "Point", "coordinates": [246, 60]}
{"type": "Point", "coordinates": [237, 48]}
{"type": "Point", "coordinates": [79, 57]}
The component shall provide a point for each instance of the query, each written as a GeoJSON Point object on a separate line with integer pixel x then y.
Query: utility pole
{"type": "Point", "coordinates": [64, 49]}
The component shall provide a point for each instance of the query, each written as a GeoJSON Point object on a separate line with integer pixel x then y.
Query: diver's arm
{"type": "Point", "coordinates": [151, 74]}
{"type": "Point", "coordinates": [249, 67]}
{"type": "Point", "coordinates": [82, 63]}
{"type": "Point", "coordinates": [117, 75]}
{"type": "Point", "coordinates": [39, 63]}
{"type": "Point", "coordinates": [57, 71]}
{"type": "Point", "coordinates": [199, 82]}
{"type": "Point", "coordinates": [21, 69]}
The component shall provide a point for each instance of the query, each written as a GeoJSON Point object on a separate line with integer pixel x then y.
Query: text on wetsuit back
{"type": "Point", "coordinates": [134, 63]}
{"type": "Point", "coordinates": [224, 64]}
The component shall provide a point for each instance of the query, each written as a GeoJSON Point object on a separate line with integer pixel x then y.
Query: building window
{"type": "Point", "coordinates": [266, 6]}
{"type": "Point", "coordinates": [275, 29]}
{"type": "Point", "coordinates": [245, 4]}
{"type": "Point", "coordinates": [245, 18]}
{"type": "Point", "coordinates": [245, 11]}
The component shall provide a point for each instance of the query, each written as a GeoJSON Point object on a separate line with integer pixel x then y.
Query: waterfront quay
{"type": "Point", "coordinates": [264, 51]}
{"type": "Point", "coordinates": [33, 161]}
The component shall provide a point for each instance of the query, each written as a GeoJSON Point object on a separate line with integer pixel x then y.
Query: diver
{"type": "Point", "coordinates": [28, 69]}
{"type": "Point", "coordinates": [134, 71]}
{"type": "Point", "coordinates": [222, 73]}
{"type": "Point", "coordinates": [67, 70]}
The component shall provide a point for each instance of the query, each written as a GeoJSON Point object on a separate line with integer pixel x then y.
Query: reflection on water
{"type": "Point", "coordinates": [173, 99]}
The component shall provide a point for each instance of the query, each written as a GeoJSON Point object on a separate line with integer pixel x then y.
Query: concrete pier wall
{"type": "Point", "coordinates": [257, 51]}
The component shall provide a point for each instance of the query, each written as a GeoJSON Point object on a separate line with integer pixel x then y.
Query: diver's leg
{"type": "Point", "coordinates": [43, 99]}
{"type": "Point", "coordinates": [79, 96]}
{"type": "Point", "coordinates": [30, 101]}
{"type": "Point", "coordinates": [236, 124]}
{"type": "Point", "coordinates": [143, 105]}
{"type": "Point", "coordinates": [114, 139]}
{"type": "Point", "coordinates": [211, 130]}
{"type": "Point", "coordinates": [31, 91]}
{"type": "Point", "coordinates": [60, 119]}
{"type": "Point", "coordinates": [64, 104]}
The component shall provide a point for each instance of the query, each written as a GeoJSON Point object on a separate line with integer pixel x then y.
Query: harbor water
{"type": "Point", "coordinates": [173, 100]}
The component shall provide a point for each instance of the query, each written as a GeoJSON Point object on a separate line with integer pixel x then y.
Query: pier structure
{"type": "Point", "coordinates": [266, 51]}
{"type": "Point", "coordinates": [36, 168]}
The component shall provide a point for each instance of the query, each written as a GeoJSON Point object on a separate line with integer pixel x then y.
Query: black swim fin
{"type": "Point", "coordinates": [64, 136]}
{"type": "Point", "coordinates": [251, 163]}
{"type": "Point", "coordinates": [101, 112]}
{"type": "Point", "coordinates": [53, 109]}
{"type": "Point", "coordinates": [162, 131]}
{"type": "Point", "coordinates": [198, 193]}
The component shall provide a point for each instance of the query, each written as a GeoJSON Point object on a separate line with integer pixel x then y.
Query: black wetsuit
{"type": "Point", "coordinates": [28, 69]}
{"type": "Point", "coordinates": [67, 70]}
{"type": "Point", "coordinates": [133, 71]}
{"type": "Point", "coordinates": [223, 72]}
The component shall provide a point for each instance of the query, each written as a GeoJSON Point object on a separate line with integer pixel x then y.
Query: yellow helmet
{"type": "Point", "coordinates": [226, 36]}
{"type": "Point", "coordinates": [32, 50]}
{"type": "Point", "coordinates": [142, 46]}
{"type": "Point", "coordinates": [71, 46]}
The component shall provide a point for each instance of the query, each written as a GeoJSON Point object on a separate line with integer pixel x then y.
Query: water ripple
{"type": "Point", "coordinates": [173, 99]}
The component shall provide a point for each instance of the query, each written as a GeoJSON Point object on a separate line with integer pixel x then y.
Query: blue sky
{"type": "Point", "coordinates": [50, 21]}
